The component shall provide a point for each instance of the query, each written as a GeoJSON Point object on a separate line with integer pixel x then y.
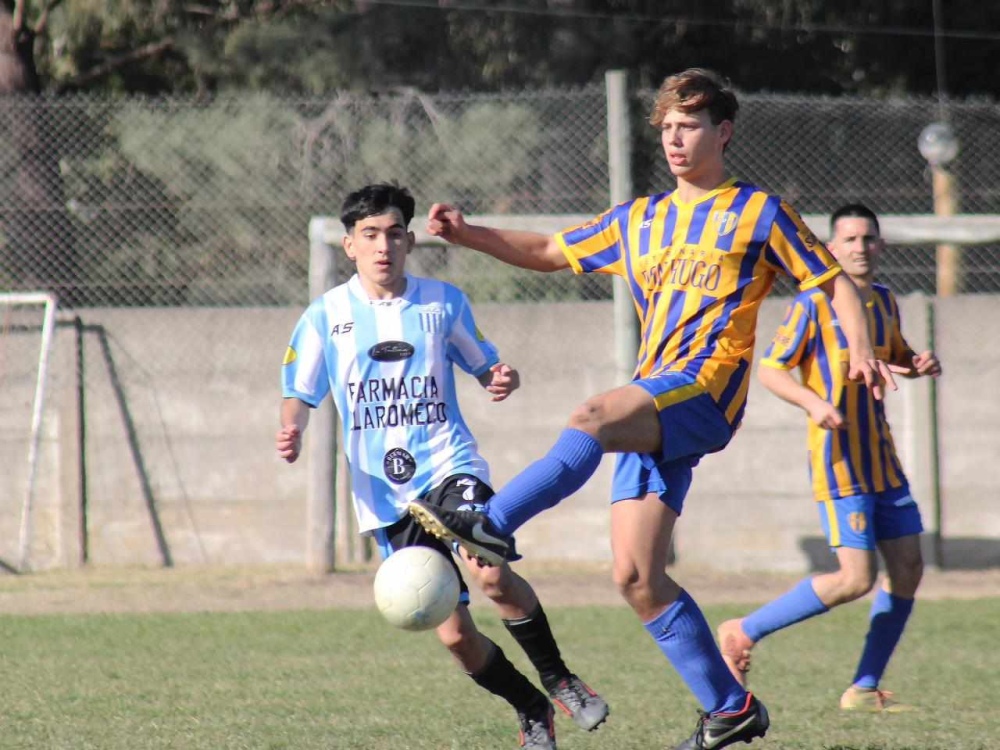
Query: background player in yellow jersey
{"type": "Point", "coordinates": [698, 260]}
{"type": "Point", "coordinates": [863, 497]}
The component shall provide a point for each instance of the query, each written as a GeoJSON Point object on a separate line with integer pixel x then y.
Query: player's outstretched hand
{"type": "Point", "coordinates": [446, 221]}
{"type": "Point", "coordinates": [288, 441]}
{"type": "Point", "coordinates": [874, 373]}
{"type": "Point", "coordinates": [504, 381]}
{"type": "Point", "coordinates": [827, 416]}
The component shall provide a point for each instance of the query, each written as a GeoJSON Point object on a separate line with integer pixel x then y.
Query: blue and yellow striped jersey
{"type": "Point", "coordinates": [861, 458]}
{"type": "Point", "coordinates": [698, 272]}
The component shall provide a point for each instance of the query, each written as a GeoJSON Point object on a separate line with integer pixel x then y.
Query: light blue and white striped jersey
{"type": "Point", "coordinates": [388, 364]}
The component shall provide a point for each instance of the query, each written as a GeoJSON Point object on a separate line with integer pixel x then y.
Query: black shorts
{"type": "Point", "coordinates": [456, 491]}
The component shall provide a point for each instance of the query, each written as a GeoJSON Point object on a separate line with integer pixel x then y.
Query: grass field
{"type": "Point", "coordinates": [343, 679]}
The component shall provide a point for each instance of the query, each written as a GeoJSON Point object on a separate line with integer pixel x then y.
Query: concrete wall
{"type": "Point", "coordinates": [181, 408]}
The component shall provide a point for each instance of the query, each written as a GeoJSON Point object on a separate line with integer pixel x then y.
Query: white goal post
{"type": "Point", "coordinates": [9, 302]}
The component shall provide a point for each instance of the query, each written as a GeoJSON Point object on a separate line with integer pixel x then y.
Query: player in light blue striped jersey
{"type": "Point", "coordinates": [384, 344]}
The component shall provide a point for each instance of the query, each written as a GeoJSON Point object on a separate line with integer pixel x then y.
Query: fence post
{"type": "Point", "coordinates": [935, 445]}
{"type": "Point", "coordinates": [921, 437]}
{"type": "Point", "coordinates": [949, 256]}
{"type": "Point", "coordinates": [620, 179]}
{"type": "Point", "coordinates": [321, 452]}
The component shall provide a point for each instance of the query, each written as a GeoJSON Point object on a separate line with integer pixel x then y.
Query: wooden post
{"type": "Point", "coordinates": [948, 256]}
{"type": "Point", "coordinates": [321, 440]}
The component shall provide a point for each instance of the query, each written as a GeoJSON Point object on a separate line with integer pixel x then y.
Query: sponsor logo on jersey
{"type": "Point", "coordinates": [399, 466]}
{"type": "Point", "coordinates": [391, 351]}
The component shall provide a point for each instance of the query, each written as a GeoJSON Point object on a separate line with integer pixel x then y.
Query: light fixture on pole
{"type": "Point", "coordinates": [939, 146]}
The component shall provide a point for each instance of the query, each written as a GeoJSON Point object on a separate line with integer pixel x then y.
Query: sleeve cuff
{"type": "Point", "coordinates": [776, 364]}
{"type": "Point", "coordinates": [815, 281]}
{"type": "Point", "coordinates": [574, 262]}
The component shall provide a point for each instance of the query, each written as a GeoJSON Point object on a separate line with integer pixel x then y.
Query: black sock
{"type": "Point", "coordinates": [501, 678]}
{"type": "Point", "coordinates": [534, 635]}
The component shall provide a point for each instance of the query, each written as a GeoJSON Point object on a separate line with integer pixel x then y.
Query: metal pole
{"type": "Point", "coordinates": [948, 257]}
{"type": "Point", "coordinates": [620, 179]}
{"type": "Point", "coordinates": [321, 442]}
{"type": "Point", "coordinates": [935, 448]}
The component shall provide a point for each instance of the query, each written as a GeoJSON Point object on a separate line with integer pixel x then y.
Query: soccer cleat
{"type": "Point", "coordinates": [872, 700]}
{"type": "Point", "coordinates": [735, 646]}
{"type": "Point", "coordinates": [538, 727]}
{"type": "Point", "coordinates": [471, 530]}
{"type": "Point", "coordinates": [721, 730]}
{"type": "Point", "coordinates": [579, 702]}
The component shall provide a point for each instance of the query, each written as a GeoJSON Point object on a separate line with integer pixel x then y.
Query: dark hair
{"type": "Point", "coordinates": [375, 200]}
{"type": "Point", "coordinates": [693, 90]}
{"type": "Point", "coordinates": [854, 210]}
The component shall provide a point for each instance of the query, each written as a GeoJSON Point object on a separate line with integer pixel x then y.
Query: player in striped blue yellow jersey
{"type": "Point", "coordinates": [384, 345]}
{"type": "Point", "coordinates": [698, 260]}
{"type": "Point", "coordinates": [857, 480]}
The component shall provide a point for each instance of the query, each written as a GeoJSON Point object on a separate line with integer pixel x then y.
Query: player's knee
{"type": "Point", "coordinates": [631, 584]}
{"type": "Point", "coordinates": [587, 416]}
{"type": "Point", "coordinates": [492, 580]}
{"type": "Point", "coordinates": [855, 583]}
{"type": "Point", "coordinates": [456, 636]}
{"type": "Point", "coordinates": [905, 576]}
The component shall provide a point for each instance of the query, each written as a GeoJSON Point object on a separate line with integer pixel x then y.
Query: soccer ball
{"type": "Point", "coordinates": [416, 588]}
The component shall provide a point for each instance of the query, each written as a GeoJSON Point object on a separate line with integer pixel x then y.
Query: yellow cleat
{"type": "Point", "coordinates": [872, 700]}
{"type": "Point", "coordinates": [735, 646]}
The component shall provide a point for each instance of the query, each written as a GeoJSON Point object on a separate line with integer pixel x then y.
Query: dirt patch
{"type": "Point", "coordinates": [192, 589]}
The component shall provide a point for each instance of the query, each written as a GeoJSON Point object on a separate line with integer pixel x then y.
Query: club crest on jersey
{"type": "Point", "coordinates": [858, 522]}
{"type": "Point", "coordinates": [725, 222]}
{"type": "Point", "coordinates": [391, 351]}
{"type": "Point", "coordinates": [399, 466]}
{"type": "Point", "coordinates": [432, 320]}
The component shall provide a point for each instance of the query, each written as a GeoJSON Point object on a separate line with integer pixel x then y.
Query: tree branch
{"type": "Point", "coordinates": [17, 17]}
{"type": "Point", "coordinates": [43, 19]}
{"type": "Point", "coordinates": [118, 61]}
{"type": "Point", "coordinates": [266, 9]}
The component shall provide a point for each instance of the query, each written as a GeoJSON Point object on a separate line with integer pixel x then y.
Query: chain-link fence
{"type": "Point", "coordinates": [204, 207]}
{"type": "Point", "coordinates": [183, 202]}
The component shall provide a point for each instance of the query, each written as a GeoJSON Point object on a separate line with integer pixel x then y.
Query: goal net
{"type": "Point", "coordinates": [27, 325]}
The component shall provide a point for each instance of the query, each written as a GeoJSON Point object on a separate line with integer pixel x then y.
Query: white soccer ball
{"type": "Point", "coordinates": [416, 588]}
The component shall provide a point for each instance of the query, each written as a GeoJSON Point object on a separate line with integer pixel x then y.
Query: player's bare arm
{"type": "Point", "coordinates": [500, 380]}
{"type": "Point", "coordinates": [864, 366]}
{"type": "Point", "coordinates": [785, 386]}
{"type": "Point", "coordinates": [531, 250]}
{"type": "Point", "coordinates": [294, 419]}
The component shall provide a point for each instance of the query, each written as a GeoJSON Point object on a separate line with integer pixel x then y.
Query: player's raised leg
{"type": "Point", "coordinates": [624, 419]}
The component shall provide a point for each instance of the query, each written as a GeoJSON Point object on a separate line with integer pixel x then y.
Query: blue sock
{"type": "Point", "coordinates": [886, 623]}
{"type": "Point", "coordinates": [799, 604]}
{"type": "Point", "coordinates": [686, 640]}
{"type": "Point", "coordinates": [558, 474]}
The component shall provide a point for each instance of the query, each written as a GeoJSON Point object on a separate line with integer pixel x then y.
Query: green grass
{"type": "Point", "coordinates": [345, 680]}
